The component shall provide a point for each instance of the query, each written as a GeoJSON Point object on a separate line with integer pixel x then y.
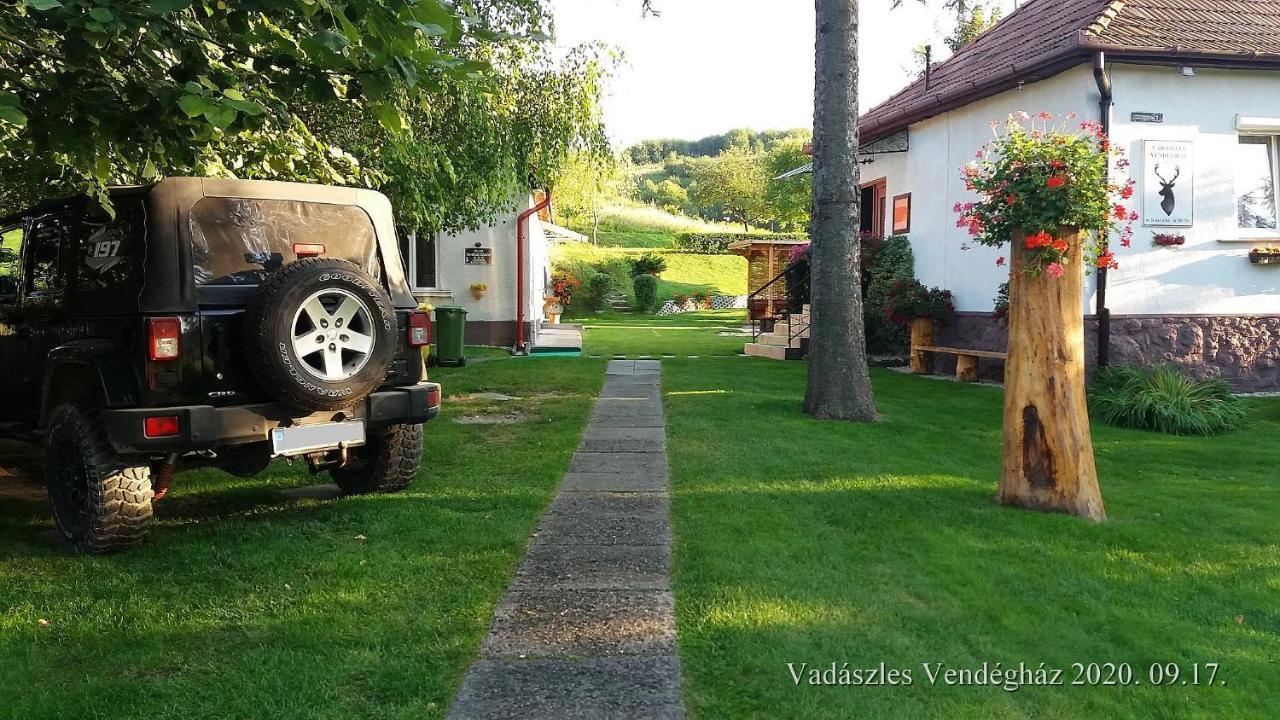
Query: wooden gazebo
{"type": "Point", "coordinates": [766, 259]}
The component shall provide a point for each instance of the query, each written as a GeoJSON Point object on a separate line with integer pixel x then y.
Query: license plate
{"type": "Point", "coordinates": [304, 439]}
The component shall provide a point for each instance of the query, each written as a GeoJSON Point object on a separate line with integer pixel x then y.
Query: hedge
{"type": "Point", "coordinates": [718, 243]}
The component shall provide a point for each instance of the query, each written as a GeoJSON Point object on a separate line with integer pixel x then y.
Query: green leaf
{"type": "Point", "coordinates": [13, 115]}
{"type": "Point", "coordinates": [44, 4]}
{"type": "Point", "coordinates": [428, 29]}
{"type": "Point", "coordinates": [389, 116]}
{"type": "Point", "coordinates": [101, 14]}
{"type": "Point", "coordinates": [245, 106]}
{"type": "Point", "coordinates": [169, 6]}
{"type": "Point", "coordinates": [194, 105]}
{"type": "Point", "coordinates": [220, 116]}
{"type": "Point", "coordinates": [331, 39]}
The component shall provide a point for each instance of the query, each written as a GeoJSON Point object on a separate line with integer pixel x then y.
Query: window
{"type": "Point", "coordinates": [106, 247]}
{"type": "Point", "coordinates": [10, 267]}
{"type": "Point", "coordinates": [419, 250]}
{"type": "Point", "coordinates": [238, 241]}
{"type": "Point", "coordinates": [49, 240]}
{"type": "Point", "coordinates": [1255, 181]}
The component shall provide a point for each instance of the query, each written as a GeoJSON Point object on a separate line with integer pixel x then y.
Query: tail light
{"type": "Point", "coordinates": [306, 250]}
{"type": "Point", "coordinates": [419, 329]}
{"type": "Point", "coordinates": [164, 339]}
{"type": "Point", "coordinates": [433, 396]}
{"type": "Point", "coordinates": [161, 426]}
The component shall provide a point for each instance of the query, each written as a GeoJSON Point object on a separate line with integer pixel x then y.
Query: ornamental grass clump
{"type": "Point", "coordinates": [1040, 176]}
{"type": "Point", "coordinates": [1164, 400]}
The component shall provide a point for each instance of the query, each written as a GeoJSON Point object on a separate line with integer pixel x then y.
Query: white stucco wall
{"type": "Point", "coordinates": [1210, 274]}
{"type": "Point", "coordinates": [1207, 276]}
{"type": "Point", "coordinates": [454, 277]}
{"type": "Point", "coordinates": [930, 171]}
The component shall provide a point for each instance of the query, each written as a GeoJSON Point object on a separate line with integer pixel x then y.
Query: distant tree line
{"type": "Point", "coordinates": [650, 152]}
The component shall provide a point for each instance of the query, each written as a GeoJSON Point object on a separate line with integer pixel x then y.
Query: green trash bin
{"type": "Point", "coordinates": [451, 324]}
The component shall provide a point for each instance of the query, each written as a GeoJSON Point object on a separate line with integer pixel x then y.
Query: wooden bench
{"type": "Point", "coordinates": [966, 360]}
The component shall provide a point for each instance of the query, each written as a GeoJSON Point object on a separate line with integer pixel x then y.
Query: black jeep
{"type": "Point", "coordinates": [218, 323]}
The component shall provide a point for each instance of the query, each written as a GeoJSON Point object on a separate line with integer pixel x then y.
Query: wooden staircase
{"type": "Point", "coordinates": [789, 339]}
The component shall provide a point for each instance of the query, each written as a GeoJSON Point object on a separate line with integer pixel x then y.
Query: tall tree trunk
{"type": "Point", "coordinates": [1048, 449]}
{"type": "Point", "coordinates": [839, 386]}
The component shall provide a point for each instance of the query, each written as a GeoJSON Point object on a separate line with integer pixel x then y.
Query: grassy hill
{"type": "Point", "coordinates": [642, 226]}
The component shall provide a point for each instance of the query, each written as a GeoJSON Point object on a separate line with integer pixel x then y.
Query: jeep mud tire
{"type": "Point", "coordinates": [320, 334]}
{"type": "Point", "coordinates": [101, 500]}
{"type": "Point", "coordinates": [387, 463]}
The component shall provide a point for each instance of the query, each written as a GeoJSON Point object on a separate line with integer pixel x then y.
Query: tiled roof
{"type": "Point", "coordinates": [1044, 37]}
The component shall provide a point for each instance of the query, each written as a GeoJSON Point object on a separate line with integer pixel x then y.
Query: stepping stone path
{"type": "Point", "coordinates": [587, 628]}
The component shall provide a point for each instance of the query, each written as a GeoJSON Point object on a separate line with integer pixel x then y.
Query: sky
{"type": "Point", "coordinates": [707, 66]}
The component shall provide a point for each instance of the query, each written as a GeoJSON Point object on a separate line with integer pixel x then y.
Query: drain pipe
{"type": "Point", "coordinates": [1105, 103]}
{"type": "Point", "coordinates": [521, 234]}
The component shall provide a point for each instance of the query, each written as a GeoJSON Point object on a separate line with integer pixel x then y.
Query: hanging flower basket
{"type": "Point", "coordinates": [478, 290]}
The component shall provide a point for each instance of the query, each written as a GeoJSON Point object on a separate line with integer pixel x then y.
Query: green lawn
{"type": "Point", "coordinates": [800, 541]}
{"type": "Point", "coordinates": [244, 603]}
{"type": "Point", "coordinates": [696, 333]}
{"type": "Point", "coordinates": [797, 541]}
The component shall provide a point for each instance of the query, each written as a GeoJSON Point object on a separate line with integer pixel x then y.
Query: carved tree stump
{"type": "Point", "coordinates": [921, 336]}
{"type": "Point", "coordinates": [967, 368]}
{"type": "Point", "coordinates": [1048, 448]}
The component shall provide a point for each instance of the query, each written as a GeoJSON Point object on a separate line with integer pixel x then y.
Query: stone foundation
{"type": "Point", "coordinates": [1242, 349]}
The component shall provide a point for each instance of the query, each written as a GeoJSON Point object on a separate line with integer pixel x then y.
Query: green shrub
{"type": "Point", "coordinates": [646, 290]}
{"type": "Point", "coordinates": [1164, 400]}
{"type": "Point", "coordinates": [907, 300]}
{"type": "Point", "coordinates": [600, 285]}
{"type": "Point", "coordinates": [718, 243]}
{"type": "Point", "coordinates": [648, 264]}
{"type": "Point", "coordinates": [890, 262]}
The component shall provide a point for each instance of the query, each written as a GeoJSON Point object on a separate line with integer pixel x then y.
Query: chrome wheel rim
{"type": "Point", "coordinates": [333, 335]}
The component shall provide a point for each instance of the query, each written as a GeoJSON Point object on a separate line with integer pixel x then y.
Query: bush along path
{"type": "Point", "coordinates": [587, 628]}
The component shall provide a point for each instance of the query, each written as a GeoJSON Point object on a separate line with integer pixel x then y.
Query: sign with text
{"type": "Point", "coordinates": [1168, 183]}
{"type": "Point", "coordinates": [478, 256]}
{"type": "Point", "coordinates": [1146, 117]}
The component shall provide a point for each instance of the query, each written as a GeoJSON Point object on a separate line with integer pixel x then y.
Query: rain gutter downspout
{"type": "Point", "coordinates": [521, 235]}
{"type": "Point", "coordinates": [1105, 104]}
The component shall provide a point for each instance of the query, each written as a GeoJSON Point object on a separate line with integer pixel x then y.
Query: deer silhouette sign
{"type": "Point", "coordinates": [1169, 201]}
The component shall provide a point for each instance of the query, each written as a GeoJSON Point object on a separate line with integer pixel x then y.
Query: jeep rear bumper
{"type": "Point", "coordinates": [204, 427]}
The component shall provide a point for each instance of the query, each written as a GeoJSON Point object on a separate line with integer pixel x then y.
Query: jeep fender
{"type": "Point", "coordinates": [85, 371]}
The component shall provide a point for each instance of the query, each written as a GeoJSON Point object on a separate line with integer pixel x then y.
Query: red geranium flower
{"type": "Point", "coordinates": [1056, 181]}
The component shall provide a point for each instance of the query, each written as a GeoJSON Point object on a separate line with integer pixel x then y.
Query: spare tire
{"type": "Point", "coordinates": [320, 334]}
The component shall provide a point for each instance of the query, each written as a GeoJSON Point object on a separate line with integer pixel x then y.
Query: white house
{"type": "Point", "coordinates": [444, 267]}
{"type": "Point", "coordinates": [1194, 87]}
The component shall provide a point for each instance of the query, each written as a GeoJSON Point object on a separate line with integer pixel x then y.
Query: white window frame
{"type": "Point", "coordinates": [413, 263]}
{"type": "Point", "coordinates": [1256, 127]}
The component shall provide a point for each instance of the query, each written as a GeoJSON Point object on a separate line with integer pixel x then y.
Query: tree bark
{"type": "Point", "coordinates": [839, 386]}
{"type": "Point", "coordinates": [1048, 448]}
{"type": "Point", "coordinates": [921, 336]}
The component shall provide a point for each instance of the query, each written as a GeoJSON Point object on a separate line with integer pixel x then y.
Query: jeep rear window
{"type": "Point", "coordinates": [239, 241]}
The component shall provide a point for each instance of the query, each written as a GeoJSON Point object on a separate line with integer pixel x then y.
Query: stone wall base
{"type": "Point", "coordinates": [1242, 349]}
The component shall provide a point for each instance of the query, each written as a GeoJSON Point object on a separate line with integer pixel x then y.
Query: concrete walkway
{"type": "Point", "coordinates": [587, 628]}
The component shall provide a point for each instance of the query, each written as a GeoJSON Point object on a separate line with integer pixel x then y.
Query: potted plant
{"type": "Point", "coordinates": [478, 290]}
{"type": "Point", "coordinates": [1169, 240]}
{"type": "Point", "coordinates": [1044, 186]}
{"type": "Point", "coordinates": [1265, 256]}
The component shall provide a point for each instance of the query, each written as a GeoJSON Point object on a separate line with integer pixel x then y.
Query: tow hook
{"type": "Point", "coordinates": [163, 476]}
